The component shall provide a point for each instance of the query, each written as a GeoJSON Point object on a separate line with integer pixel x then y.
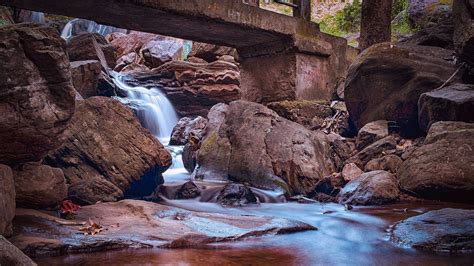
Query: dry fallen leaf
{"type": "Point", "coordinates": [92, 228]}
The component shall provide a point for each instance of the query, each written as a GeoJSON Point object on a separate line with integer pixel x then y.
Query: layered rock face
{"type": "Point", "coordinates": [443, 167]}
{"type": "Point", "coordinates": [452, 103]}
{"type": "Point", "coordinates": [7, 200]}
{"type": "Point", "coordinates": [386, 80]}
{"type": "Point", "coordinates": [194, 88]}
{"type": "Point", "coordinates": [108, 155]}
{"type": "Point", "coordinates": [39, 186]}
{"type": "Point", "coordinates": [248, 143]}
{"type": "Point", "coordinates": [36, 94]}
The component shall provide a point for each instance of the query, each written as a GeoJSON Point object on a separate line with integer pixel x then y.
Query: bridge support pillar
{"type": "Point", "coordinates": [289, 76]}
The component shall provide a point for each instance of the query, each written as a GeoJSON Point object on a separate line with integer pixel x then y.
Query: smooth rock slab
{"type": "Point", "coordinates": [138, 224]}
{"type": "Point", "coordinates": [448, 230]}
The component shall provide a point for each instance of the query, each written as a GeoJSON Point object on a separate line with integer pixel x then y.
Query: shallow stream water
{"type": "Point", "coordinates": [344, 237]}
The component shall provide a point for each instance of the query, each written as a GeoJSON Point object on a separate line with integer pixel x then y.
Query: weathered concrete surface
{"type": "Point", "coordinates": [253, 31]}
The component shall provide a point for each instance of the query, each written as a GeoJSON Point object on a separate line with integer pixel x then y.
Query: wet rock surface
{"type": "Point", "coordinates": [7, 200]}
{"type": "Point", "coordinates": [108, 154]}
{"type": "Point", "coordinates": [445, 230]}
{"type": "Point", "coordinates": [248, 143]}
{"type": "Point", "coordinates": [151, 224]}
{"type": "Point", "coordinates": [442, 168]}
{"type": "Point", "coordinates": [372, 188]}
{"type": "Point", "coordinates": [11, 255]}
{"type": "Point", "coordinates": [404, 72]}
{"type": "Point", "coordinates": [236, 195]}
{"type": "Point", "coordinates": [188, 190]}
{"type": "Point", "coordinates": [452, 103]}
{"type": "Point", "coordinates": [39, 186]}
{"type": "Point", "coordinates": [36, 93]}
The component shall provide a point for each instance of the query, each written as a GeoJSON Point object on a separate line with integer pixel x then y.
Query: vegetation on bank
{"type": "Point", "coordinates": [346, 22]}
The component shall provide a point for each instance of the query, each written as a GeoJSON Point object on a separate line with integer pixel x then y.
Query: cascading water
{"type": "Point", "coordinates": [77, 26]}
{"type": "Point", "coordinates": [157, 114]}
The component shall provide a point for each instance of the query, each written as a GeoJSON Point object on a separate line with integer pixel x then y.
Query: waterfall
{"type": "Point", "coordinates": [157, 114]}
{"type": "Point", "coordinates": [77, 26]}
{"type": "Point", "coordinates": [155, 111]}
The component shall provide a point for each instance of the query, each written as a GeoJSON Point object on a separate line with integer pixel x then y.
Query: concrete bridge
{"type": "Point", "coordinates": [282, 57]}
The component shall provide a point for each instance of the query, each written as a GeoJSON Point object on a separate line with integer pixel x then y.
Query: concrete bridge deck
{"type": "Point", "coordinates": [253, 31]}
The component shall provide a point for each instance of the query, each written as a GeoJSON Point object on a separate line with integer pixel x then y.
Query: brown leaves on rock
{"type": "Point", "coordinates": [92, 228]}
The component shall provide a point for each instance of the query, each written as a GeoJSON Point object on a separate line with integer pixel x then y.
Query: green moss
{"type": "Point", "coordinates": [300, 104]}
{"type": "Point", "coordinates": [208, 143]}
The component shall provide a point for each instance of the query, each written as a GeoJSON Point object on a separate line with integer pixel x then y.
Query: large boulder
{"type": "Point", "coordinates": [11, 255]}
{"type": "Point", "coordinates": [108, 154]}
{"type": "Point", "coordinates": [249, 143]}
{"type": "Point", "coordinates": [85, 77]}
{"type": "Point", "coordinates": [373, 151]}
{"type": "Point", "coordinates": [372, 188]}
{"type": "Point", "coordinates": [36, 93]}
{"type": "Point", "coordinates": [7, 200]}
{"type": "Point", "coordinates": [452, 103]}
{"type": "Point", "coordinates": [194, 88]}
{"type": "Point", "coordinates": [39, 186]}
{"type": "Point", "coordinates": [445, 230]}
{"type": "Point", "coordinates": [386, 80]}
{"type": "Point", "coordinates": [91, 46]}
{"type": "Point", "coordinates": [443, 168]}
{"type": "Point", "coordinates": [463, 14]}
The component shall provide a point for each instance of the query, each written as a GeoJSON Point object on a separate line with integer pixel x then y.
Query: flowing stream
{"type": "Point", "coordinates": [356, 237]}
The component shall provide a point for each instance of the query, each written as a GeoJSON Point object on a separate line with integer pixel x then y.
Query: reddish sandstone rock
{"type": "Point", "coordinates": [91, 46]}
{"type": "Point", "coordinates": [108, 154]}
{"type": "Point", "coordinates": [194, 88]}
{"type": "Point", "coordinates": [372, 188]}
{"type": "Point", "coordinates": [445, 230]}
{"type": "Point", "coordinates": [188, 128]}
{"type": "Point", "coordinates": [11, 255]}
{"type": "Point", "coordinates": [36, 93]}
{"type": "Point", "coordinates": [39, 186]}
{"type": "Point", "coordinates": [249, 143]}
{"type": "Point", "coordinates": [386, 81]}
{"type": "Point", "coordinates": [452, 103]}
{"type": "Point", "coordinates": [7, 200]}
{"type": "Point", "coordinates": [150, 224]}
{"type": "Point", "coordinates": [145, 49]}
{"type": "Point", "coordinates": [442, 168]}
{"type": "Point", "coordinates": [211, 52]}
{"type": "Point", "coordinates": [85, 77]}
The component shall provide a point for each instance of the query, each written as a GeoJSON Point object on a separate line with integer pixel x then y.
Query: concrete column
{"type": "Point", "coordinates": [303, 10]}
{"type": "Point", "coordinates": [290, 76]}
